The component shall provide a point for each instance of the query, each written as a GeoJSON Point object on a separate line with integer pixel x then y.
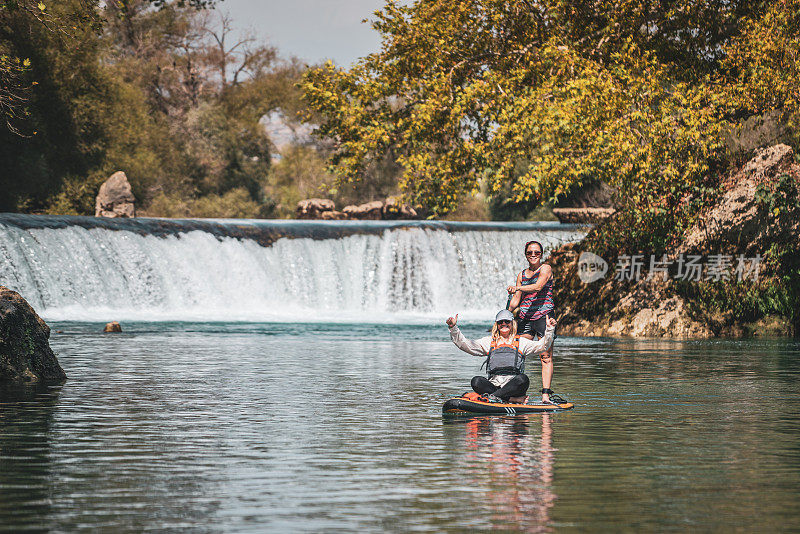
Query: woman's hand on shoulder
{"type": "Point", "coordinates": [451, 321]}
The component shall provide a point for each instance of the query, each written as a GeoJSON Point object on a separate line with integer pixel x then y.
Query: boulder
{"type": "Point", "coordinates": [314, 208]}
{"type": "Point", "coordinates": [113, 326]}
{"type": "Point", "coordinates": [333, 216]}
{"type": "Point", "coordinates": [608, 307]}
{"type": "Point", "coordinates": [372, 211]}
{"type": "Point", "coordinates": [25, 354]}
{"type": "Point", "coordinates": [115, 198]}
{"type": "Point", "coordinates": [737, 221]}
{"type": "Point", "coordinates": [582, 215]}
{"type": "Point", "coordinates": [593, 195]}
{"type": "Point", "coordinates": [393, 209]}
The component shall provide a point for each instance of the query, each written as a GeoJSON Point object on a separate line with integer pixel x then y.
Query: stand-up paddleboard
{"type": "Point", "coordinates": [472, 403]}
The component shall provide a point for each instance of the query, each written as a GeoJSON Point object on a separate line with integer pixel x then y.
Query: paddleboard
{"type": "Point", "coordinates": [472, 404]}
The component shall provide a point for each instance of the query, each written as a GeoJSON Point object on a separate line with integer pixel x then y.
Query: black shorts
{"type": "Point", "coordinates": [535, 327]}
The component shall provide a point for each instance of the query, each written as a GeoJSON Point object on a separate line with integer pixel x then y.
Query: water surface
{"type": "Point", "coordinates": [337, 428]}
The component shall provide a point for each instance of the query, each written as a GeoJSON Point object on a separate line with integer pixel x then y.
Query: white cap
{"type": "Point", "coordinates": [504, 315]}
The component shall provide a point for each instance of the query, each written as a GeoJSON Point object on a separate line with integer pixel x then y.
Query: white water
{"type": "Point", "coordinates": [408, 274]}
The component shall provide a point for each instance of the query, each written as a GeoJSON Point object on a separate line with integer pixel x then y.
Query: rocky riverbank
{"type": "Point", "coordinates": [724, 279]}
{"type": "Point", "coordinates": [25, 354]}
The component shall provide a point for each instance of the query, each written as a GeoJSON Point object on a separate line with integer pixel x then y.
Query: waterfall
{"type": "Point", "coordinates": [86, 269]}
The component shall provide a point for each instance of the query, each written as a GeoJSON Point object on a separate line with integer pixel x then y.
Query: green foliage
{"type": "Point", "coordinates": [745, 301]}
{"type": "Point", "coordinates": [762, 66]}
{"type": "Point", "coordinates": [780, 197]}
{"type": "Point", "coordinates": [234, 204]}
{"type": "Point", "coordinates": [56, 137]}
{"type": "Point", "coordinates": [533, 100]}
{"type": "Point", "coordinates": [537, 99]}
{"type": "Point", "coordinates": [75, 195]}
{"type": "Point", "coordinates": [299, 174]}
{"type": "Point", "coordinates": [226, 153]}
{"type": "Point", "coordinates": [775, 293]}
{"type": "Point", "coordinates": [473, 208]}
{"type": "Point", "coordinates": [144, 87]}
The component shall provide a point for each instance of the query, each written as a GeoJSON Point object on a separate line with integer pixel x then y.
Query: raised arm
{"type": "Point", "coordinates": [476, 347]}
{"type": "Point", "coordinates": [545, 272]}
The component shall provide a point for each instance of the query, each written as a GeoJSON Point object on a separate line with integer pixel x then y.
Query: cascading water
{"type": "Point", "coordinates": [85, 269]}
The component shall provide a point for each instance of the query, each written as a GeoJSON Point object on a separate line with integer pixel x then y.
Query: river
{"type": "Point", "coordinates": [326, 423]}
{"type": "Point", "coordinates": [224, 427]}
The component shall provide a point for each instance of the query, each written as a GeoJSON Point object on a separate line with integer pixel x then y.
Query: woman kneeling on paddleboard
{"type": "Point", "coordinates": [505, 354]}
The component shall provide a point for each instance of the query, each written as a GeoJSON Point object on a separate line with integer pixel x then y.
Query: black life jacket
{"type": "Point", "coordinates": [504, 359]}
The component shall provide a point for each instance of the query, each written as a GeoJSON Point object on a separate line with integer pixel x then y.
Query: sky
{"type": "Point", "coordinates": [313, 30]}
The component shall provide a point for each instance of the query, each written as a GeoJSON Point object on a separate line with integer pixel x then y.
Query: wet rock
{"type": "Point", "coordinates": [115, 198]}
{"type": "Point", "coordinates": [372, 211]}
{"type": "Point", "coordinates": [25, 354]}
{"type": "Point", "coordinates": [314, 208]}
{"type": "Point", "coordinates": [113, 326]}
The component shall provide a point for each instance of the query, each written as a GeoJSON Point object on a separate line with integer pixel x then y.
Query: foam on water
{"type": "Point", "coordinates": [406, 275]}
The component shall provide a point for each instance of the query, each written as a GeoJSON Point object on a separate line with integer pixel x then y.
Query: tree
{"type": "Point", "coordinates": [133, 85]}
{"type": "Point", "coordinates": [534, 99]}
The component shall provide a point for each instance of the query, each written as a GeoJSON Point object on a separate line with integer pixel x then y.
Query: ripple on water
{"type": "Point", "coordinates": [224, 428]}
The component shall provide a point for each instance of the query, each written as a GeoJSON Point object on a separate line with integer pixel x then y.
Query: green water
{"type": "Point", "coordinates": [338, 428]}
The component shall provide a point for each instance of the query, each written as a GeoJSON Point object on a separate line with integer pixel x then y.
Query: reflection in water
{"type": "Point", "coordinates": [516, 467]}
{"type": "Point", "coordinates": [26, 416]}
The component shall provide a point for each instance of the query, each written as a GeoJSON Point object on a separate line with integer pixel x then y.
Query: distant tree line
{"type": "Point", "coordinates": [519, 102]}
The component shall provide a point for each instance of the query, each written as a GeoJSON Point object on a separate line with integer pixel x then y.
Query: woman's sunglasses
{"type": "Point", "coordinates": [503, 322]}
{"type": "Point", "coordinates": [534, 253]}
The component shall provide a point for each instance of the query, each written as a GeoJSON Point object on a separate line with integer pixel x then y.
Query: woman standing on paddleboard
{"type": "Point", "coordinates": [533, 294]}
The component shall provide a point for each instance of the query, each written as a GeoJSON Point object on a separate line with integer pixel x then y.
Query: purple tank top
{"type": "Point", "coordinates": [535, 305]}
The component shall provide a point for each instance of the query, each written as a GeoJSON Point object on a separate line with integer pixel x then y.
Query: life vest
{"type": "Point", "coordinates": [504, 358]}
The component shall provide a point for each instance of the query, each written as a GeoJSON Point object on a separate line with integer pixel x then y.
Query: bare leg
{"type": "Point", "coordinates": [547, 368]}
{"type": "Point", "coordinates": [547, 372]}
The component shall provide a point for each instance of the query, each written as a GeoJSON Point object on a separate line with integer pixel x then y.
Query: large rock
{"type": "Point", "coordinates": [394, 209]}
{"type": "Point", "coordinates": [737, 221]}
{"type": "Point", "coordinates": [25, 354]}
{"type": "Point", "coordinates": [369, 211]}
{"type": "Point", "coordinates": [314, 208]}
{"type": "Point", "coordinates": [333, 216]}
{"type": "Point", "coordinates": [737, 224]}
{"type": "Point", "coordinates": [593, 195]}
{"type": "Point", "coordinates": [608, 307]}
{"type": "Point", "coordinates": [115, 198]}
{"type": "Point", "coordinates": [582, 215]}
